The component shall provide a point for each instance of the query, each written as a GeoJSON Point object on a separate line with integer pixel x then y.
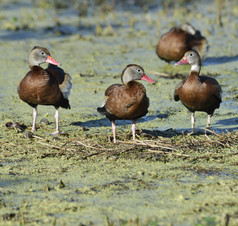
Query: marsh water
{"type": "Point", "coordinates": [94, 43]}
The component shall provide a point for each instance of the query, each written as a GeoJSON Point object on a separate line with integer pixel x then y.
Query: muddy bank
{"type": "Point", "coordinates": [92, 182]}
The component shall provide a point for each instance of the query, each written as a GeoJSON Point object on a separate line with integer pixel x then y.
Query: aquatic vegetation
{"type": "Point", "coordinates": [166, 176]}
{"type": "Point", "coordinates": [48, 176]}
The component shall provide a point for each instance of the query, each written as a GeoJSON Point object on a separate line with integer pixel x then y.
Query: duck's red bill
{"type": "Point", "coordinates": [184, 60]}
{"type": "Point", "coordinates": [52, 60]}
{"type": "Point", "coordinates": [147, 78]}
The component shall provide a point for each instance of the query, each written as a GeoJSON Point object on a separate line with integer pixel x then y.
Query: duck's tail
{"type": "Point", "coordinates": [64, 103]}
{"type": "Point", "coordinates": [102, 110]}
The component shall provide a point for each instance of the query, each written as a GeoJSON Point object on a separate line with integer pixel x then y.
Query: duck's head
{"type": "Point", "coordinates": [134, 72]}
{"type": "Point", "coordinates": [41, 55]}
{"type": "Point", "coordinates": [191, 57]}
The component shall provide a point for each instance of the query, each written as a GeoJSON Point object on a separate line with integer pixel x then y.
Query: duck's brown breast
{"type": "Point", "coordinates": [38, 87]}
{"type": "Point", "coordinates": [200, 93]}
{"type": "Point", "coordinates": [127, 102]}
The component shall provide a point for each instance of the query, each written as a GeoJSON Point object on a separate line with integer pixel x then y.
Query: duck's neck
{"type": "Point", "coordinates": [34, 67]}
{"type": "Point", "coordinates": [125, 78]}
{"type": "Point", "coordinates": [31, 64]}
{"type": "Point", "coordinates": [196, 68]}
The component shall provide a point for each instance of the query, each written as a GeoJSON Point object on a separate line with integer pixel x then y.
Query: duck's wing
{"type": "Point", "coordinates": [103, 110]}
{"type": "Point", "coordinates": [215, 87]}
{"type": "Point", "coordinates": [111, 89]}
{"type": "Point", "coordinates": [177, 90]}
{"type": "Point", "coordinates": [63, 79]}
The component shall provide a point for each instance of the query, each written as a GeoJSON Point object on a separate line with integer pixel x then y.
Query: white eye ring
{"type": "Point", "coordinates": [191, 54]}
{"type": "Point", "coordinates": [42, 53]}
{"type": "Point", "coordinates": [138, 70]}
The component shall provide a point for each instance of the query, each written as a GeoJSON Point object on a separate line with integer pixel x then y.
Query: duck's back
{"type": "Point", "coordinates": [173, 44]}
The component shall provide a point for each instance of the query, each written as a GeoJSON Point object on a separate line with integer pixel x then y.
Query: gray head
{"type": "Point", "coordinates": [134, 72]}
{"type": "Point", "coordinates": [191, 57]}
{"type": "Point", "coordinates": [40, 55]}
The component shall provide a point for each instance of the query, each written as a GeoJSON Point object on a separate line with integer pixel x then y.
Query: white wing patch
{"type": "Point", "coordinates": [188, 28]}
{"type": "Point", "coordinates": [66, 86]}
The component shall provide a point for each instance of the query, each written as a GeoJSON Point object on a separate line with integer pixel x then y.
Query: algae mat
{"type": "Point", "coordinates": [166, 176]}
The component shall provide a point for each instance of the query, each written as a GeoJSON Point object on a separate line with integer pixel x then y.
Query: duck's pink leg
{"type": "Point", "coordinates": [34, 120]}
{"type": "Point", "coordinates": [133, 128]}
{"type": "Point", "coordinates": [114, 131]}
{"type": "Point", "coordinates": [208, 121]}
{"type": "Point", "coordinates": [56, 122]}
{"type": "Point", "coordinates": [192, 121]}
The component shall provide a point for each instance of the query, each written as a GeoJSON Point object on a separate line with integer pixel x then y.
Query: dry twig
{"type": "Point", "coordinates": [56, 147]}
{"type": "Point", "coordinates": [170, 153]}
{"type": "Point", "coordinates": [91, 147]}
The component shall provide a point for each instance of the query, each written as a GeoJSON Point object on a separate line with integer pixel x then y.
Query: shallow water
{"type": "Point", "coordinates": [94, 50]}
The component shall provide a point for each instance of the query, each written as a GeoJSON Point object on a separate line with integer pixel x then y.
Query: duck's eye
{"type": "Point", "coordinates": [191, 54]}
{"type": "Point", "coordinates": [138, 70]}
{"type": "Point", "coordinates": [42, 53]}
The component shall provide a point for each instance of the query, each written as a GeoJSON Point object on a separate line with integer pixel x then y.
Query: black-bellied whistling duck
{"type": "Point", "coordinates": [197, 93]}
{"type": "Point", "coordinates": [127, 100]}
{"type": "Point", "coordinates": [178, 40]}
{"type": "Point", "coordinates": [50, 86]}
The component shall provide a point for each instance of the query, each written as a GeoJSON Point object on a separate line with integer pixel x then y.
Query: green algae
{"type": "Point", "coordinates": [91, 181]}
{"type": "Point", "coordinates": [81, 178]}
{"type": "Point", "coordinates": [117, 188]}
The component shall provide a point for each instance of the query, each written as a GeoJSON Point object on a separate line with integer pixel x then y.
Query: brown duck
{"type": "Point", "coordinates": [49, 86]}
{"type": "Point", "coordinates": [178, 40]}
{"type": "Point", "coordinates": [197, 93]}
{"type": "Point", "coordinates": [127, 100]}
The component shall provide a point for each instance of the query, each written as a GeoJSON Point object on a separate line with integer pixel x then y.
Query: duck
{"type": "Point", "coordinates": [198, 93]}
{"type": "Point", "coordinates": [180, 39]}
{"type": "Point", "coordinates": [50, 86]}
{"type": "Point", "coordinates": [126, 101]}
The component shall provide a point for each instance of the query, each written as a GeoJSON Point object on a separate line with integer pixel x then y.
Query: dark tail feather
{"type": "Point", "coordinates": [102, 111]}
{"type": "Point", "coordinates": [64, 103]}
{"type": "Point", "coordinates": [176, 97]}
